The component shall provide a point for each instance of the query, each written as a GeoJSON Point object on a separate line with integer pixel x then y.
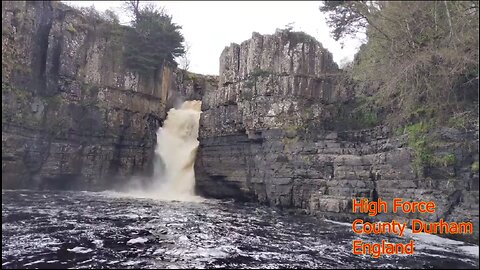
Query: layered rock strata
{"type": "Point", "coordinates": [268, 134]}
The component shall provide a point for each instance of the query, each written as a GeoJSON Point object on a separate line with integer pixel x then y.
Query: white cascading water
{"type": "Point", "coordinates": [174, 176]}
{"type": "Point", "coordinates": [177, 147]}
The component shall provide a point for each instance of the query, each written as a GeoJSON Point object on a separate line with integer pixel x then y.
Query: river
{"type": "Point", "coordinates": [62, 229]}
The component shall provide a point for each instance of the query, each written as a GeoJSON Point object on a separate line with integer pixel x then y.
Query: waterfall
{"type": "Point", "coordinates": [175, 152]}
{"type": "Point", "coordinates": [174, 176]}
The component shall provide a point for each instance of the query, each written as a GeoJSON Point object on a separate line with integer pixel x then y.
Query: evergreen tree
{"type": "Point", "coordinates": [153, 40]}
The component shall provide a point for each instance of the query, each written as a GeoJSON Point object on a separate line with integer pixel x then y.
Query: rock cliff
{"type": "Point", "coordinates": [72, 115]}
{"type": "Point", "coordinates": [270, 133]}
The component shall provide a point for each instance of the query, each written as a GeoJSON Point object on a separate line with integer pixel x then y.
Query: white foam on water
{"type": "Point", "coordinates": [472, 250]}
{"type": "Point", "coordinates": [35, 262]}
{"type": "Point", "coordinates": [141, 194]}
{"type": "Point", "coordinates": [87, 261]}
{"type": "Point", "coordinates": [432, 242]}
{"type": "Point", "coordinates": [98, 243]}
{"type": "Point", "coordinates": [130, 263]}
{"type": "Point", "coordinates": [183, 239]}
{"type": "Point", "coordinates": [339, 223]}
{"type": "Point", "coordinates": [208, 253]}
{"type": "Point", "coordinates": [81, 250]}
{"type": "Point", "coordinates": [159, 251]}
{"type": "Point", "coordinates": [138, 240]}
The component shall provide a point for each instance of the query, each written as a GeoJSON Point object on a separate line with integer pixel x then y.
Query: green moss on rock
{"type": "Point", "coordinates": [475, 167]}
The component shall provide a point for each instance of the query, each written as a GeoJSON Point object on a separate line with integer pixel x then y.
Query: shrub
{"type": "Point", "coordinates": [448, 160]}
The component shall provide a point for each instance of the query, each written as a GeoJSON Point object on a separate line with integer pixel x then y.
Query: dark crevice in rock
{"type": "Point", "coordinates": [44, 14]}
{"type": "Point", "coordinates": [115, 165]}
{"type": "Point", "coordinates": [53, 77]}
{"type": "Point", "coordinates": [238, 59]}
{"type": "Point", "coordinates": [374, 177]}
{"type": "Point", "coordinates": [453, 200]}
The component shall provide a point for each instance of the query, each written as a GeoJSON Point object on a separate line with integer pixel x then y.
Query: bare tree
{"type": "Point", "coordinates": [185, 58]}
{"type": "Point", "coordinates": [133, 5]}
{"type": "Point", "coordinates": [290, 26]}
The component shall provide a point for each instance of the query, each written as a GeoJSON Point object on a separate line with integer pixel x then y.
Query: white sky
{"type": "Point", "coordinates": [210, 26]}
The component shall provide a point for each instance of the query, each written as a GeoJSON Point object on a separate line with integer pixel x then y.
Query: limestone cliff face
{"type": "Point", "coordinates": [72, 115]}
{"type": "Point", "coordinates": [267, 82]}
{"type": "Point", "coordinates": [268, 134]}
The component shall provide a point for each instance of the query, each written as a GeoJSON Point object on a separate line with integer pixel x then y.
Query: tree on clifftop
{"type": "Point", "coordinates": [153, 40]}
{"type": "Point", "coordinates": [421, 56]}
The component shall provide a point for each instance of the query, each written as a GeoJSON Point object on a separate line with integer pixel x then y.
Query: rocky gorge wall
{"type": "Point", "coordinates": [73, 116]}
{"type": "Point", "coordinates": [269, 134]}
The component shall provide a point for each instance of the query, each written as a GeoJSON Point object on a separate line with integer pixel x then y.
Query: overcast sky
{"type": "Point", "coordinates": [210, 26]}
